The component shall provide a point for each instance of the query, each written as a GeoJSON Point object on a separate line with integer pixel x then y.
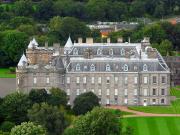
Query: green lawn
{"type": "Point", "coordinates": [119, 113]}
{"type": "Point", "coordinates": [153, 125]}
{"type": "Point", "coordinates": [5, 73]}
{"type": "Point", "coordinates": [175, 91]}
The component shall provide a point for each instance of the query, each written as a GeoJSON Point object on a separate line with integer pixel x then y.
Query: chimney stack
{"type": "Point", "coordinates": [80, 40]}
{"type": "Point", "coordinates": [120, 40]}
{"type": "Point", "coordinates": [89, 40]}
{"type": "Point", "coordinates": [46, 45]}
{"type": "Point", "coordinates": [108, 40]}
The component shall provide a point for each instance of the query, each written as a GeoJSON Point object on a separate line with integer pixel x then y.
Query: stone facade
{"type": "Point", "coordinates": [118, 73]}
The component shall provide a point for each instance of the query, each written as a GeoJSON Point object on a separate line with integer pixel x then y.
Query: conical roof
{"type": "Point", "coordinates": [69, 43]}
{"type": "Point", "coordinates": [34, 42]}
{"type": "Point", "coordinates": [22, 60]}
{"type": "Point", "coordinates": [30, 45]}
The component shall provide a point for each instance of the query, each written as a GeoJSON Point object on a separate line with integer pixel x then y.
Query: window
{"type": "Point", "coordinates": [18, 81]}
{"type": "Point", "coordinates": [162, 91]}
{"type": "Point", "coordinates": [75, 51]}
{"type": "Point", "coordinates": [78, 68]}
{"type": "Point", "coordinates": [69, 102]}
{"type": "Point", "coordinates": [122, 52]}
{"type": "Point", "coordinates": [125, 92]}
{"type": "Point", "coordinates": [99, 92]}
{"type": "Point", "coordinates": [145, 67]}
{"type": "Point", "coordinates": [92, 68]}
{"type": "Point", "coordinates": [77, 92]}
{"type": "Point", "coordinates": [92, 90]}
{"type": "Point", "coordinates": [125, 80]}
{"type": "Point", "coordinates": [68, 80]}
{"type": "Point", "coordinates": [163, 79]}
{"type": "Point", "coordinates": [84, 90]}
{"type": "Point", "coordinates": [116, 92]}
{"type": "Point", "coordinates": [154, 92]}
{"type": "Point", "coordinates": [125, 101]}
{"type": "Point", "coordinates": [99, 80]}
{"type": "Point", "coordinates": [107, 101]}
{"type": "Point", "coordinates": [111, 52]}
{"type": "Point", "coordinates": [135, 92]}
{"type": "Point", "coordinates": [125, 67]}
{"type": "Point", "coordinates": [84, 80]}
{"type": "Point", "coordinates": [107, 80]}
{"type": "Point", "coordinates": [135, 101]}
{"type": "Point", "coordinates": [116, 80]}
{"type": "Point", "coordinates": [107, 92]}
{"type": "Point", "coordinates": [154, 101]}
{"type": "Point", "coordinates": [68, 92]}
{"type": "Point", "coordinates": [77, 79]}
{"type": "Point", "coordinates": [99, 52]}
{"type": "Point", "coordinates": [145, 80]}
{"type": "Point", "coordinates": [35, 80]}
{"type": "Point", "coordinates": [162, 101]}
{"type": "Point", "coordinates": [47, 80]}
{"type": "Point", "coordinates": [154, 79]}
{"type": "Point", "coordinates": [135, 80]}
{"type": "Point", "coordinates": [92, 80]}
{"type": "Point", "coordinates": [108, 68]}
{"type": "Point", "coordinates": [145, 92]}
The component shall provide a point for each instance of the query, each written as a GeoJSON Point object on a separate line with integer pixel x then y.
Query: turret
{"type": "Point", "coordinates": [68, 46]}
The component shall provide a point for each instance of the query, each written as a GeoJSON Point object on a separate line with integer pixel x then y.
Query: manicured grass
{"type": "Point", "coordinates": [153, 125]}
{"type": "Point", "coordinates": [175, 91]}
{"type": "Point", "coordinates": [174, 108]}
{"type": "Point", "coordinates": [5, 73]}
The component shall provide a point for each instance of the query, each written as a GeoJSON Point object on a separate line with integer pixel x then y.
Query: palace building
{"type": "Point", "coordinates": [118, 73]}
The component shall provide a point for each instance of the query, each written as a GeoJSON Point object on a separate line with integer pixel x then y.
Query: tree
{"type": "Point", "coordinates": [48, 116]}
{"type": "Point", "coordinates": [13, 44]}
{"type": "Point", "coordinates": [14, 107]}
{"type": "Point", "coordinates": [99, 121]}
{"type": "Point", "coordinates": [6, 126]}
{"type": "Point", "coordinates": [55, 23]}
{"type": "Point", "coordinates": [137, 8]}
{"type": "Point", "coordinates": [75, 28]}
{"type": "Point", "coordinates": [57, 97]}
{"type": "Point", "coordinates": [85, 102]}
{"type": "Point", "coordinates": [28, 128]}
{"type": "Point", "coordinates": [38, 95]}
{"type": "Point", "coordinates": [28, 29]}
{"type": "Point", "coordinates": [23, 8]}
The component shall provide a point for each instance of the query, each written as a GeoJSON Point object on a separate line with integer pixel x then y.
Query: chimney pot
{"type": "Point", "coordinates": [89, 40]}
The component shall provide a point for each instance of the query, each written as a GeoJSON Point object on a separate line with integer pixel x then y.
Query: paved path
{"type": "Point", "coordinates": [140, 114]}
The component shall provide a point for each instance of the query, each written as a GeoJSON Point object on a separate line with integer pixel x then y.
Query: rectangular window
{"type": "Point", "coordinates": [145, 92]}
{"type": "Point", "coordinates": [92, 90]}
{"type": "Point", "coordinates": [107, 80]}
{"type": "Point", "coordinates": [99, 80]}
{"type": "Point", "coordinates": [18, 81]}
{"type": "Point", "coordinates": [125, 92]}
{"type": "Point", "coordinates": [154, 101]}
{"type": "Point", "coordinates": [77, 92]}
{"type": "Point", "coordinates": [47, 80]}
{"type": "Point", "coordinates": [99, 93]}
{"type": "Point", "coordinates": [135, 92]}
{"type": "Point", "coordinates": [135, 80]}
{"type": "Point", "coordinates": [68, 80]}
{"type": "Point", "coordinates": [125, 80]}
{"type": "Point", "coordinates": [154, 92]}
{"type": "Point", "coordinates": [163, 79]}
{"type": "Point", "coordinates": [125, 101]}
{"type": "Point", "coordinates": [145, 80]}
{"type": "Point", "coordinates": [162, 91]}
{"type": "Point", "coordinates": [116, 80]}
{"type": "Point", "coordinates": [107, 101]}
{"type": "Point", "coordinates": [92, 80]}
{"type": "Point", "coordinates": [116, 92]}
{"type": "Point", "coordinates": [84, 80]}
{"type": "Point", "coordinates": [107, 92]}
{"type": "Point", "coordinates": [68, 92]}
{"type": "Point", "coordinates": [35, 80]}
{"type": "Point", "coordinates": [77, 80]}
{"type": "Point", "coordinates": [84, 90]}
{"type": "Point", "coordinates": [154, 79]}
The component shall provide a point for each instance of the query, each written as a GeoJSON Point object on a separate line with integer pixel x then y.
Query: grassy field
{"type": "Point", "coordinates": [119, 113]}
{"type": "Point", "coordinates": [5, 73]}
{"type": "Point", "coordinates": [175, 91]}
{"type": "Point", "coordinates": [153, 125]}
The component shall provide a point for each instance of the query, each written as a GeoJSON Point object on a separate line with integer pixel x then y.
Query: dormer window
{"type": "Point", "coordinates": [145, 68]}
{"type": "Point", "coordinates": [99, 52]}
{"type": "Point", "coordinates": [92, 68]}
{"type": "Point", "coordinates": [75, 51]}
{"type": "Point", "coordinates": [78, 68]}
{"type": "Point", "coordinates": [111, 52]}
{"type": "Point", "coordinates": [108, 68]}
{"type": "Point", "coordinates": [122, 52]}
{"type": "Point", "coordinates": [125, 67]}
